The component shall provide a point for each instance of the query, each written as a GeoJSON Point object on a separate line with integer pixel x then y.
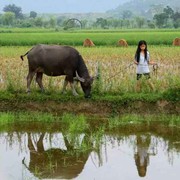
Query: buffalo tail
{"type": "Point", "coordinates": [23, 56]}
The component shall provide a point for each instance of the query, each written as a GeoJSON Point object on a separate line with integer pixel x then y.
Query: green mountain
{"type": "Point", "coordinates": [145, 8]}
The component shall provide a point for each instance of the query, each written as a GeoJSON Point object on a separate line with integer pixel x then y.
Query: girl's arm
{"type": "Point", "coordinates": [135, 62]}
{"type": "Point", "coordinates": [152, 63]}
{"type": "Point", "coordinates": [135, 59]}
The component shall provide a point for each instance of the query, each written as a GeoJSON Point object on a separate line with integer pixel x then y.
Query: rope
{"type": "Point", "coordinates": [120, 71]}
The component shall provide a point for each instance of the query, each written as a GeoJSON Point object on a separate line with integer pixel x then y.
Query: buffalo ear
{"type": "Point", "coordinates": [80, 78]}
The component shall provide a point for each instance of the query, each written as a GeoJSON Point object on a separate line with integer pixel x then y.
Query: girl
{"type": "Point", "coordinates": [142, 61]}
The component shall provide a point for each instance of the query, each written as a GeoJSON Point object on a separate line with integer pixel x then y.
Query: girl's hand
{"type": "Point", "coordinates": [152, 63]}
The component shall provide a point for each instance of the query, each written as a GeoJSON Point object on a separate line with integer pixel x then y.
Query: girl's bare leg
{"type": "Point", "coordinates": [151, 85]}
{"type": "Point", "coordinates": [138, 86]}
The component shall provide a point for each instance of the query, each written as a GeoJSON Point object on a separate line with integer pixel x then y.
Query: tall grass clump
{"type": "Point", "coordinates": [74, 124]}
{"type": "Point", "coordinates": [10, 83]}
{"type": "Point", "coordinates": [6, 118]}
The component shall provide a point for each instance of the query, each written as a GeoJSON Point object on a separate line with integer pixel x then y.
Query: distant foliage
{"type": "Point", "coordinates": [157, 16]}
{"type": "Point", "coordinates": [33, 14]}
{"type": "Point", "coordinates": [167, 18]}
{"type": "Point", "coordinates": [15, 9]}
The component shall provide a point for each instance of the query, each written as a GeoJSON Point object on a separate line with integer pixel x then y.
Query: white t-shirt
{"type": "Point", "coordinates": [142, 66]}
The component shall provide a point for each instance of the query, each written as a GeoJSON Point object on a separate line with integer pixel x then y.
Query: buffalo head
{"type": "Point", "coordinates": [86, 84]}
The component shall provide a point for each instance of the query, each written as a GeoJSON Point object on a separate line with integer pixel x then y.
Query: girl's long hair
{"type": "Point", "coordinates": [137, 55]}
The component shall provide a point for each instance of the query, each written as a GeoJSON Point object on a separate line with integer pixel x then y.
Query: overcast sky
{"type": "Point", "coordinates": [63, 6]}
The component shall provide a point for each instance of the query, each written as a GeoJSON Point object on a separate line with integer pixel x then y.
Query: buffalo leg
{"type": "Point", "coordinates": [30, 143]}
{"type": "Point", "coordinates": [73, 89]}
{"type": "Point", "coordinates": [40, 146]}
{"type": "Point", "coordinates": [75, 83]}
{"type": "Point", "coordinates": [39, 76]}
{"type": "Point", "coordinates": [29, 79]}
{"type": "Point", "coordinates": [69, 78]}
{"type": "Point", "coordinates": [64, 85]}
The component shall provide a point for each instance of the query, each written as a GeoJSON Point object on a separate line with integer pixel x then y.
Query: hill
{"type": "Point", "coordinates": [145, 8]}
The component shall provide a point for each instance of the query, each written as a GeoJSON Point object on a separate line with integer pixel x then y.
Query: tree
{"type": "Point", "coordinates": [101, 22]}
{"type": "Point", "coordinates": [140, 21]}
{"type": "Point", "coordinates": [160, 19]}
{"type": "Point", "coordinates": [52, 22]}
{"type": "Point", "coordinates": [168, 11]}
{"type": "Point", "coordinates": [84, 23]}
{"type": "Point", "coordinates": [176, 19]}
{"type": "Point", "coordinates": [126, 23]}
{"type": "Point", "coordinates": [166, 18]}
{"type": "Point", "coordinates": [156, 9]}
{"type": "Point", "coordinates": [38, 22]}
{"type": "Point", "coordinates": [8, 18]}
{"type": "Point", "coordinates": [150, 24]}
{"type": "Point", "coordinates": [14, 9]}
{"type": "Point", "coordinates": [33, 14]}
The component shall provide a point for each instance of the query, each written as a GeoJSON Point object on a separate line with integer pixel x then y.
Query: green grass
{"type": "Point", "coordinates": [135, 119]}
{"type": "Point", "coordinates": [10, 117]}
{"type": "Point", "coordinates": [171, 94]}
{"type": "Point", "coordinates": [56, 96]}
{"type": "Point", "coordinates": [76, 38]}
{"type": "Point", "coordinates": [27, 30]}
{"type": "Point", "coordinates": [72, 123]}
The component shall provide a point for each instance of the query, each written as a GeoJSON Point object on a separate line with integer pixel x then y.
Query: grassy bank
{"type": "Point", "coordinates": [100, 105]}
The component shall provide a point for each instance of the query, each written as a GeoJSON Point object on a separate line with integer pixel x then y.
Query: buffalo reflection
{"type": "Point", "coordinates": [55, 162]}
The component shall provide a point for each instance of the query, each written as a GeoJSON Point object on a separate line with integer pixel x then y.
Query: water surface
{"type": "Point", "coordinates": [121, 154]}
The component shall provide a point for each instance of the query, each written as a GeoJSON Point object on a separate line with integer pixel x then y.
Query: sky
{"type": "Point", "coordinates": [63, 6]}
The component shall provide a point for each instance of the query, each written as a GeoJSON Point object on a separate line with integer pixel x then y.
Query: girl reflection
{"type": "Point", "coordinates": [142, 156]}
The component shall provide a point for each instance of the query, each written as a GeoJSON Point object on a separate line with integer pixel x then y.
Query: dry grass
{"type": "Point", "coordinates": [116, 74]}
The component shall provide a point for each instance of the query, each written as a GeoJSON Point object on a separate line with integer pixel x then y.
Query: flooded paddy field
{"type": "Point", "coordinates": [76, 147]}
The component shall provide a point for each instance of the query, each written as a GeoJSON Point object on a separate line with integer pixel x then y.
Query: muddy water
{"type": "Point", "coordinates": [106, 155]}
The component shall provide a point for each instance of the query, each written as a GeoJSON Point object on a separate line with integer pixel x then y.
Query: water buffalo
{"type": "Point", "coordinates": [55, 60]}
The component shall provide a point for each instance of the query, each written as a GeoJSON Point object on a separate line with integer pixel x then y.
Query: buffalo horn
{"type": "Point", "coordinates": [80, 78]}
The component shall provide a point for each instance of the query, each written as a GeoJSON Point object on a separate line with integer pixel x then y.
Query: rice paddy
{"type": "Point", "coordinates": [117, 71]}
{"type": "Point", "coordinates": [28, 37]}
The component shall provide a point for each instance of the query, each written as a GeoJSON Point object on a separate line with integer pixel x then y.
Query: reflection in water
{"type": "Point", "coordinates": [85, 156]}
{"type": "Point", "coordinates": [64, 163]}
{"type": "Point", "coordinates": [142, 155]}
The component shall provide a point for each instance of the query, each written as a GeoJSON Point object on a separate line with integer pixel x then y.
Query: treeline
{"type": "Point", "coordinates": [12, 16]}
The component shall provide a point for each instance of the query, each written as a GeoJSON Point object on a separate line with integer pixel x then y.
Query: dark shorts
{"type": "Point", "coordinates": [147, 76]}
